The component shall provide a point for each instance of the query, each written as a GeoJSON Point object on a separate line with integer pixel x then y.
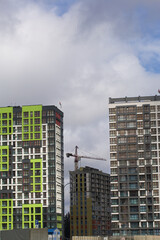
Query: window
{"type": "Point", "coordinates": [112, 133]}
{"type": "Point", "coordinates": [114, 179]}
{"type": "Point", "coordinates": [4, 115]}
{"type": "Point", "coordinates": [123, 185]}
{"type": "Point", "coordinates": [114, 186]}
{"type": "Point", "coordinates": [122, 147]}
{"type": "Point", "coordinates": [37, 135]}
{"type": "Point", "coordinates": [134, 224]}
{"type": "Point", "coordinates": [139, 117]}
{"type": "Point", "coordinates": [121, 125]}
{"type": "Point", "coordinates": [19, 121]}
{"type": "Point", "coordinates": [115, 210]}
{"type": "Point", "coordinates": [37, 120]}
{"type": "Point", "coordinates": [123, 178]}
{"type": "Point", "coordinates": [143, 224]}
{"type": "Point", "coordinates": [113, 171]}
{"type": "Point", "coordinates": [26, 114]}
{"type": "Point", "coordinates": [26, 188]}
{"type": "Point", "coordinates": [121, 117]}
{"type": "Point", "coordinates": [142, 193]}
{"type": "Point", "coordinates": [155, 184]}
{"type": "Point", "coordinates": [134, 217]}
{"type": "Point", "coordinates": [26, 122]}
{"type": "Point", "coordinates": [133, 201]}
{"type": "Point", "coordinates": [19, 173]}
{"type": "Point", "coordinates": [112, 125]}
{"type": "Point", "coordinates": [123, 194]}
{"type": "Point", "coordinates": [132, 155]}
{"type": "Point", "coordinates": [141, 154]}
{"type": "Point", "coordinates": [132, 170]}
{"type": "Point", "coordinates": [26, 129]}
{"type": "Point", "coordinates": [111, 119]}
{"type": "Point", "coordinates": [115, 217]}
{"type": "Point", "coordinates": [19, 137]}
{"type": "Point", "coordinates": [112, 110]}
{"type": "Point", "coordinates": [113, 155]}
{"type": "Point", "coordinates": [133, 193]}
{"type": "Point", "coordinates": [131, 124]}
{"type": "Point", "coordinates": [153, 123]}
{"type": "Point", "coordinates": [19, 151]}
{"type": "Point", "coordinates": [37, 128]}
{"type": "Point", "coordinates": [131, 109]}
{"type": "Point", "coordinates": [132, 147]}
{"type": "Point", "coordinates": [132, 139]}
{"type": "Point", "coordinates": [139, 124]}
{"type": "Point", "coordinates": [26, 180]}
{"type": "Point", "coordinates": [133, 178]}
{"type": "Point", "coordinates": [142, 208]}
{"type": "Point", "coordinates": [133, 185]}
{"type": "Point", "coordinates": [37, 113]}
{"type": "Point", "coordinates": [112, 148]}
{"type": "Point", "coordinates": [122, 140]}
{"type": "Point", "coordinates": [26, 151]}
{"type": "Point", "coordinates": [155, 192]}
{"type": "Point", "coordinates": [113, 140]}
{"type": "Point", "coordinates": [121, 109]}
{"type": "Point", "coordinates": [114, 201]}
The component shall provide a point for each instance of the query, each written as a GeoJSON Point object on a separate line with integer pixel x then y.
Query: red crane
{"type": "Point", "coordinates": [77, 157]}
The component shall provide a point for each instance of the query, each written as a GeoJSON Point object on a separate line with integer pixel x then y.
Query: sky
{"type": "Point", "coordinates": [79, 53]}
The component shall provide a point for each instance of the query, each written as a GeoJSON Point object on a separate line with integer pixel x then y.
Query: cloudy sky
{"type": "Point", "coordinates": [79, 53]}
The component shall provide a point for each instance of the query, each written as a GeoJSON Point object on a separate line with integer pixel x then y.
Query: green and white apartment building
{"type": "Point", "coordinates": [31, 167]}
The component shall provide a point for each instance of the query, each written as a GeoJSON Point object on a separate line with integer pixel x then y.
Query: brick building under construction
{"type": "Point", "coordinates": [89, 202]}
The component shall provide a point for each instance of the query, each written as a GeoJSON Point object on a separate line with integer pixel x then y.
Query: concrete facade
{"type": "Point", "coordinates": [134, 125]}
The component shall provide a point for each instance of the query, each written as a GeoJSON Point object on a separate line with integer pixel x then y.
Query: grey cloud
{"type": "Point", "coordinates": [126, 17]}
{"type": "Point", "coordinates": [81, 59]}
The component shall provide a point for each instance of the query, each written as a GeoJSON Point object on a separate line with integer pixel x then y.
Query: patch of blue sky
{"type": "Point", "coordinates": [150, 62]}
{"type": "Point", "coordinates": [64, 5]}
{"type": "Point", "coordinates": [61, 6]}
{"type": "Point", "coordinates": [147, 23]}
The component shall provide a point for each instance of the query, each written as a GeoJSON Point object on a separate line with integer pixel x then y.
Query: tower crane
{"type": "Point", "coordinates": [77, 158]}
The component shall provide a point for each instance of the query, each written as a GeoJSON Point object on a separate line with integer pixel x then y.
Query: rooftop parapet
{"type": "Point", "coordinates": [134, 99]}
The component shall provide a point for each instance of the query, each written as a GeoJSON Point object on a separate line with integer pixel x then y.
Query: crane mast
{"type": "Point", "coordinates": [77, 157]}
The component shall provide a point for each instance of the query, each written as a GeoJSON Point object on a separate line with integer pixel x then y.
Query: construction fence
{"type": "Point", "coordinates": [24, 234]}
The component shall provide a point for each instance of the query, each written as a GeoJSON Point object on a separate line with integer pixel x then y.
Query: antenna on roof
{"type": "Point", "coordinates": [60, 104]}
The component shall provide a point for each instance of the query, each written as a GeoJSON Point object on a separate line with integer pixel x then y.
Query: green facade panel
{"type": "Point", "coordinates": [6, 214]}
{"type": "Point", "coordinates": [32, 123]}
{"type": "Point", "coordinates": [59, 225]}
{"type": "Point", "coordinates": [6, 120]}
{"type": "Point", "coordinates": [36, 176]}
{"type": "Point", "coordinates": [4, 158]}
{"type": "Point", "coordinates": [30, 214]}
{"type": "Point", "coordinates": [59, 218]}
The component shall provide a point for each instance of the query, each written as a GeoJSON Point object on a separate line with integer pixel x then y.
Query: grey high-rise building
{"type": "Point", "coordinates": [134, 124]}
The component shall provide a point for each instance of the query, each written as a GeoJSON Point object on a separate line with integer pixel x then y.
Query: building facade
{"type": "Point", "coordinates": [31, 167]}
{"type": "Point", "coordinates": [89, 202]}
{"type": "Point", "coordinates": [134, 125]}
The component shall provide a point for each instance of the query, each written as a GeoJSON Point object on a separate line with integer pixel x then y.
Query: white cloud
{"type": "Point", "coordinates": [80, 58]}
